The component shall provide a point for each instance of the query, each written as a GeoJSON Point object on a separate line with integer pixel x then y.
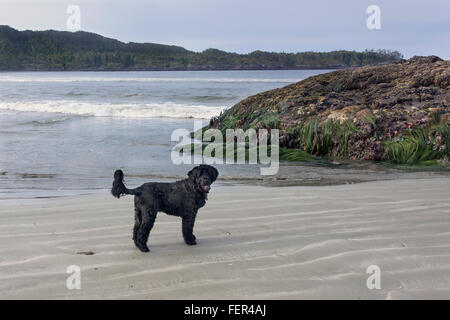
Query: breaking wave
{"type": "Point", "coordinates": [130, 110]}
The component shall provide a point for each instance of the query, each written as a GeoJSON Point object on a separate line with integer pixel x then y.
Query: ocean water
{"type": "Point", "coordinates": [65, 133]}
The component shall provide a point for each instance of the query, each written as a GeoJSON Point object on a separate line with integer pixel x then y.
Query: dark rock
{"type": "Point", "coordinates": [380, 101]}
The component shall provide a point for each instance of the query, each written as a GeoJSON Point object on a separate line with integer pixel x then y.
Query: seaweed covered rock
{"type": "Point", "coordinates": [355, 113]}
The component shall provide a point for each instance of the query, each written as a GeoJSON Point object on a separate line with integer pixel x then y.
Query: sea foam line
{"type": "Point", "coordinates": [129, 110]}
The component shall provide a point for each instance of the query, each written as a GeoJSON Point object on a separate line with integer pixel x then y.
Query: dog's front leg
{"type": "Point", "coordinates": [188, 228]}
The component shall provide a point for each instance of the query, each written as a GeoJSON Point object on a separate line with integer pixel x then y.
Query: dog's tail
{"type": "Point", "coordinates": [118, 187]}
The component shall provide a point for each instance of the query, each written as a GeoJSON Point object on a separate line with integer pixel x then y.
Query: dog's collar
{"type": "Point", "coordinates": [203, 193]}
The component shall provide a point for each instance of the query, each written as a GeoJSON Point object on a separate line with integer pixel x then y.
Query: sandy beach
{"type": "Point", "coordinates": [253, 243]}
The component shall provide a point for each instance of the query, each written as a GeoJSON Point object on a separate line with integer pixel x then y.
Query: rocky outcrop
{"type": "Point", "coordinates": [352, 113]}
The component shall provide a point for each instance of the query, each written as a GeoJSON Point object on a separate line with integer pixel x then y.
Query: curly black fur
{"type": "Point", "coordinates": [181, 198]}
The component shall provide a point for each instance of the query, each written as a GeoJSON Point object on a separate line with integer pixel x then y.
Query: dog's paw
{"type": "Point", "coordinates": [191, 241]}
{"type": "Point", "coordinates": [142, 246]}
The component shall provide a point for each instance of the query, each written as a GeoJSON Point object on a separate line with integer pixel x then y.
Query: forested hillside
{"type": "Point", "coordinates": [61, 50]}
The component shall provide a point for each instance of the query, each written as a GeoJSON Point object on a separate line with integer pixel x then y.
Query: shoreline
{"type": "Point", "coordinates": [254, 242]}
{"type": "Point", "coordinates": [37, 194]}
{"type": "Point", "coordinates": [323, 179]}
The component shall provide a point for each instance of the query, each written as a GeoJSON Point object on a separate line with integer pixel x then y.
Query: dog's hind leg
{"type": "Point", "coordinates": [148, 219]}
{"type": "Point", "coordinates": [137, 221]}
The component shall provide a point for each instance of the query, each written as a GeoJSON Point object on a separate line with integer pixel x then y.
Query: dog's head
{"type": "Point", "coordinates": [203, 176]}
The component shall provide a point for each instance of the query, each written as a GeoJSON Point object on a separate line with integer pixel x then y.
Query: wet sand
{"type": "Point", "coordinates": [254, 242]}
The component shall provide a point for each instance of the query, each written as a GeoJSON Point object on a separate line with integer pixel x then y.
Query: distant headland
{"type": "Point", "coordinates": [84, 51]}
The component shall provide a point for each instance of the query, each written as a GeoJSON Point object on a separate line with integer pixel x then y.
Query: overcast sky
{"type": "Point", "coordinates": [413, 27]}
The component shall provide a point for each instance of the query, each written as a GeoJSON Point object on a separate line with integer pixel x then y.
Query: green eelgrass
{"type": "Point", "coordinates": [320, 138]}
{"type": "Point", "coordinates": [285, 154]}
{"type": "Point", "coordinates": [437, 115]}
{"type": "Point", "coordinates": [272, 122]}
{"type": "Point", "coordinates": [418, 146]}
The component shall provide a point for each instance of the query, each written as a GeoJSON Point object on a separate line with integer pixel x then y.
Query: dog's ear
{"type": "Point", "coordinates": [194, 173]}
{"type": "Point", "coordinates": [213, 173]}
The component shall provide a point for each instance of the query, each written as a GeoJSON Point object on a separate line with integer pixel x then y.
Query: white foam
{"type": "Point", "coordinates": [142, 110]}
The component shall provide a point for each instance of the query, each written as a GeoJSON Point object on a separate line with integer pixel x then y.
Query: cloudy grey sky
{"type": "Point", "coordinates": [413, 27]}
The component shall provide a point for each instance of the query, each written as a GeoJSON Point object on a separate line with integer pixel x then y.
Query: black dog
{"type": "Point", "coordinates": [181, 198]}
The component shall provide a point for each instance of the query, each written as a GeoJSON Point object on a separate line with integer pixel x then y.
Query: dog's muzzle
{"type": "Point", "coordinates": [204, 190]}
